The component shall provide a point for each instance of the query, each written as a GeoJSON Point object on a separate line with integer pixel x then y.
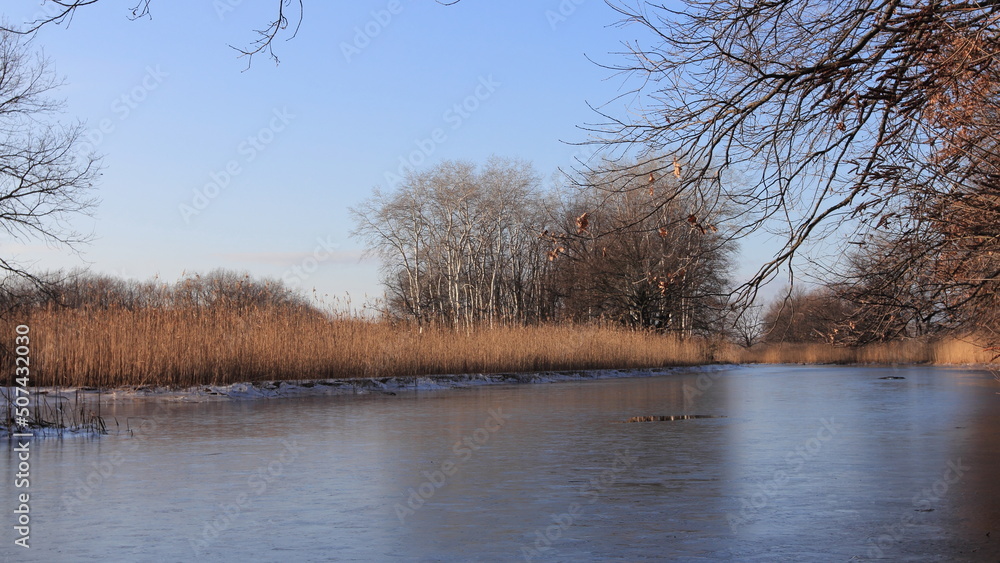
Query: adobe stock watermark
{"type": "Point", "coordinates": [248, 150]}
{"type": "Point", "coordinates": [922, 501]}
{"type": "Point", "coordinates": [256, 485]}
{"type": "Point", "coordinates": [224, 7]}
{"type": "Point", "coordinates": [702, 383]}
{"type": "Point", "coordinates": [99, 473]}
{"type": "Point", "coordinates": [454, 117]}
{"type": "Point", "coordinates": [462, 452]}
{"type": "Point", "coordinates": [593, 490]}
{"type": "Point", "coordinates": [562, 13]}
{"type": "Point", "coordinates": [121, 108]}
{"type": "Point", "coordinates": [324, 250]}
{"type": "Point", "coordinates": [365, 34]}
{"type": "Point", "coordinates": [795, 460]}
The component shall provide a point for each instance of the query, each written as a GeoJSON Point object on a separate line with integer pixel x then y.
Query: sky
{"type": "Point", "coordinates": [211, 164]}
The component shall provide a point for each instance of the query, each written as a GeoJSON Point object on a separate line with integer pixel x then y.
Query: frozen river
{"type": "Point", "coordinates": [795, 464]}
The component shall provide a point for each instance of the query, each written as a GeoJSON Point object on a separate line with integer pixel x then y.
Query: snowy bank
{"type": "Point", "coordinates": [348, 386]}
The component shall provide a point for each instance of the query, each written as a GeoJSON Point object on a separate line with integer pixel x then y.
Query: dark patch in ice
{"type": "Point", "coordinates": [892, 377]}
{"type": "Point", "coordinates": [670, 418]}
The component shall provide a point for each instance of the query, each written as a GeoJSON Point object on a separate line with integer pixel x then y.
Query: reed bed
{"type": "Point", "coordinates": [183, 347]}
{"type": "Point", "coordinates": [180, 347]}
{"type": "Point", "coordinates": [955, 350]}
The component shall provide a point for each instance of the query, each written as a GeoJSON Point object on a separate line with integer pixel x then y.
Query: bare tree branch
{"type": "Point", "coordinates": [45, 179]}
{"type": "Point", "coordinates": [822, 118]}
{"type": "Point", "coordinates": [59, 12]}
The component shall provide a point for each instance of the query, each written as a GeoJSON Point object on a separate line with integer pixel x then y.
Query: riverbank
{"type": "Point", "coordinates": [334, 387]}
{"type": "Point", "coordinates": [77, 410]}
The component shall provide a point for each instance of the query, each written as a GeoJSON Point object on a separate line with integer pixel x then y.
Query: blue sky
{"type": "Point", "coordinates": [210, 165]}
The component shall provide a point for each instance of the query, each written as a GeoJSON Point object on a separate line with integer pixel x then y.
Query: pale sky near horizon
{"type": "Point", "coordinates": [358, 89]}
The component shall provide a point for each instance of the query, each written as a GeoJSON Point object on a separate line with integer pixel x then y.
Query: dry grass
{"type": "Point", "coordinates": [182, 347]}
{"type": "Point", "coordinates": [930, 351]}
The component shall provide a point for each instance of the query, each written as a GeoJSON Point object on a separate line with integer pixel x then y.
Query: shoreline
{"type": "Point", "coordinates": [51, 397]}
{"type": "Point", "coordinates": [291, 388]}
{"type": "Point", "coordinates": [278, 389]}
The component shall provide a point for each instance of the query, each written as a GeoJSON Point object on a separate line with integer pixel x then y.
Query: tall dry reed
{"type": "Point", "coordinates": [180, 347]}
{"type": "Point", "coordinates": [951, 350]}
{"type": "Point", "coordinates": [193, 346]}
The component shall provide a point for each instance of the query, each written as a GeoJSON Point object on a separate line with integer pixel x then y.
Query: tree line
{"type": "Point", "coordinates": [463, 245]}
{"type": "Point", "coordinates": [80, 289]}
{"type": "Point", "coordinates": [466, 245]}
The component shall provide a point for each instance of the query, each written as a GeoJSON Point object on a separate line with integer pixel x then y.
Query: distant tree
{"type": "Point", "coordinates": [227, 289]}
{"type": "Point", "coordinates": [748, 325]}
{"type": "Point", "coordinates": [459, 243]}
{"type": "Point", "coordinates": [45, 177]}
{"type": "Point", "coordinates": [895, 291]}
{"type": "Point", "coordinates": [816, 315]}
{"type": "Point", "coordinates": [464, 245]}
{"type": "Point", "coordinates": [643, 255]}
{"type": "Point", "coordinates": [81, 289]}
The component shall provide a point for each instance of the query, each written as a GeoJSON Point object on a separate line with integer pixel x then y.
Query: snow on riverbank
{"type": "Point", "coordinates": [352, 386]}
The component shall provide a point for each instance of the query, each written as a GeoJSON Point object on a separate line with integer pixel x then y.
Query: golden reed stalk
{"type": "Point", "coordinates": [181, 347]}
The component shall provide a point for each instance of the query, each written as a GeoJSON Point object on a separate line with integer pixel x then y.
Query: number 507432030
{"type": "Point", "coordinates": [22, 373]}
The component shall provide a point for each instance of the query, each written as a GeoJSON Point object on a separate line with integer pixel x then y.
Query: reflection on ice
{"type": "Point", "coordinates": [766, 463]}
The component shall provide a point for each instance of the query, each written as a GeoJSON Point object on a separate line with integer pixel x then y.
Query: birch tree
{"type": "Point", "coordinates": [459, 243]}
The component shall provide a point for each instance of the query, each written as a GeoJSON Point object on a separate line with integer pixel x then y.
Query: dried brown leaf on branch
{"type": "Point", "coordinates": [845, 112]}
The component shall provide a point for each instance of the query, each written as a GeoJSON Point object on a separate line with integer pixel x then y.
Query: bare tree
{"type": "Point", "coordinates": [748, 326]}
{"type": "Point", "coordinates": [45, 178]}
{"type": "Point", "coordinates": [459, 243]}
{"type": "Point", "coordinates": [644, 256]}
{"type": "Point", "coordinates": [468, 245]}
{"type": "Point", "coordinates": [895, 291]}
{"type": "Point", "coordinates": [840, 116]}
{"type": "Point", "coordinates": [816, 315]}
{"type": "Point", "coordinates": [286, 13]}
{"type": "Point", "coordinates": [219, 289]}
